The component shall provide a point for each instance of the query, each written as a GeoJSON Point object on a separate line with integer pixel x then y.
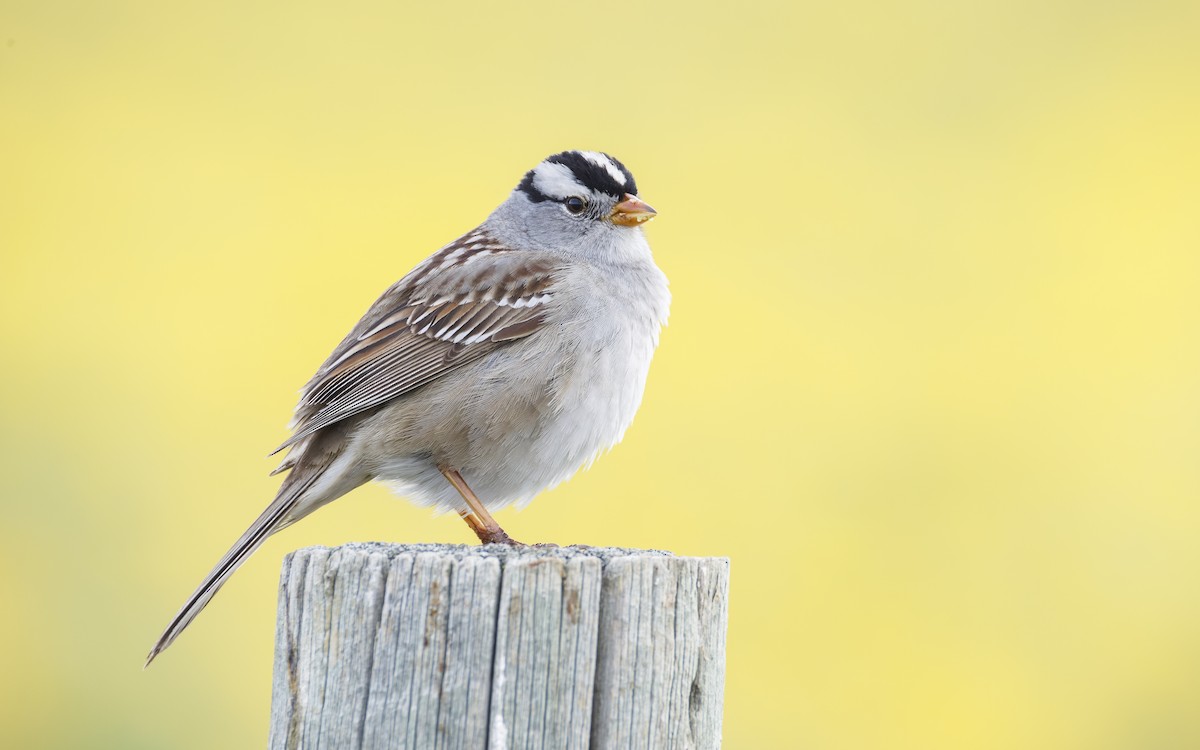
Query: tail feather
{"type": "Point", "coordinates": [320, 473]}
{"type": "Point", "coordinates": [270, 520]}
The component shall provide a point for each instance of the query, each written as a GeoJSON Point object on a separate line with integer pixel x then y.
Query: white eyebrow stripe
{"type": "Point", "coordinates": [556, 181]}
{"type": "Point", "coordinates": [600, 160]}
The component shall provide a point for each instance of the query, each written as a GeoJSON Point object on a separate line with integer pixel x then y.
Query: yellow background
{"type": "Point", "coordinates": [932, 377]}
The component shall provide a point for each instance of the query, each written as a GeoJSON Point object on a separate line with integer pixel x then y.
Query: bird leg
{"type": "Point", "coordinates": [477, 516]}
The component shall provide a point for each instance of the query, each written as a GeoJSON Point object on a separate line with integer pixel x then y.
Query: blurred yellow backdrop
{"type": "Point", "coordinates": [932, 377]}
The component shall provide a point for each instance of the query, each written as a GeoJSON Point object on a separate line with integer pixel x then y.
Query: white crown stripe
{"type": "Point", "coordinates": [600, 160]}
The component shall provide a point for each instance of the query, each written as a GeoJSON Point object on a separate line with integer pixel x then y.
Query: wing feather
{"type": "Point", "coordinates": [463, 302]}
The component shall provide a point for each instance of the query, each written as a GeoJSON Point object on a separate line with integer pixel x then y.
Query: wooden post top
{"type": "Point", "coordinates": [434, 645]}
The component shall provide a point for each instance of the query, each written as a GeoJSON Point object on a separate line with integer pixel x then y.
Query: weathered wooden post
{"type": "Point", "coordinates": [437, 646]}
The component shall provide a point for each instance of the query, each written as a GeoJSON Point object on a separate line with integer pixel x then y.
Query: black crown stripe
{"type": "Point", "coordinates": [589, 174]}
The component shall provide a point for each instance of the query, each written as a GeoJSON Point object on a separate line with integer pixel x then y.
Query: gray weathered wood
{"type": "Point", "coordinates": [660, 679]}
{"type": "Point", "coordinates": [436, 646]}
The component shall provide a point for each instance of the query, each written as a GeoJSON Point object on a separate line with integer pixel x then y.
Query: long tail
{"type": "Point", "coordinates": [316, 477]}
{"type": "Point", "coordinates": [271, 520]}
{"type": "Point", "coordinates": [291, 504]}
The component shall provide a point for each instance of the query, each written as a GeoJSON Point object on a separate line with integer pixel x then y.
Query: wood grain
{"type": "Point", "coordinates": [437, 646]}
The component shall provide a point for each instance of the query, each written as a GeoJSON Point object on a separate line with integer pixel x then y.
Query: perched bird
{"type": "Point", "coordinates": [495, 369]}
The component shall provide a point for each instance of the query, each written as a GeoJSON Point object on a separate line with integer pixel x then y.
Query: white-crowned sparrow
{"type": "Point", "coordinates": [495, 369]}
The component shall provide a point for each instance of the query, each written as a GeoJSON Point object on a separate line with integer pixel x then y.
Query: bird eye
{"type": "Point", "coordinates": [575, 204]}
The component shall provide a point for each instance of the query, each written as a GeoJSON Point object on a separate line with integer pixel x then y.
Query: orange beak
{"type": "Point", "coordinates": [631, 212]}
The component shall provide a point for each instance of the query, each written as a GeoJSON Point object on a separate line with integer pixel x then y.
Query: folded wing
{"type": "Point", "coordinates": [464, 301]}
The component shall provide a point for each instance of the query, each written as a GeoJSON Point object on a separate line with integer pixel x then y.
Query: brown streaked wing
{"type": "Point", "coordinates": [462, 302]}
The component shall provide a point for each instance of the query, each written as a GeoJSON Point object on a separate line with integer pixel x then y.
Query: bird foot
{"type": "Point", "coordinates": [498, 536]}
